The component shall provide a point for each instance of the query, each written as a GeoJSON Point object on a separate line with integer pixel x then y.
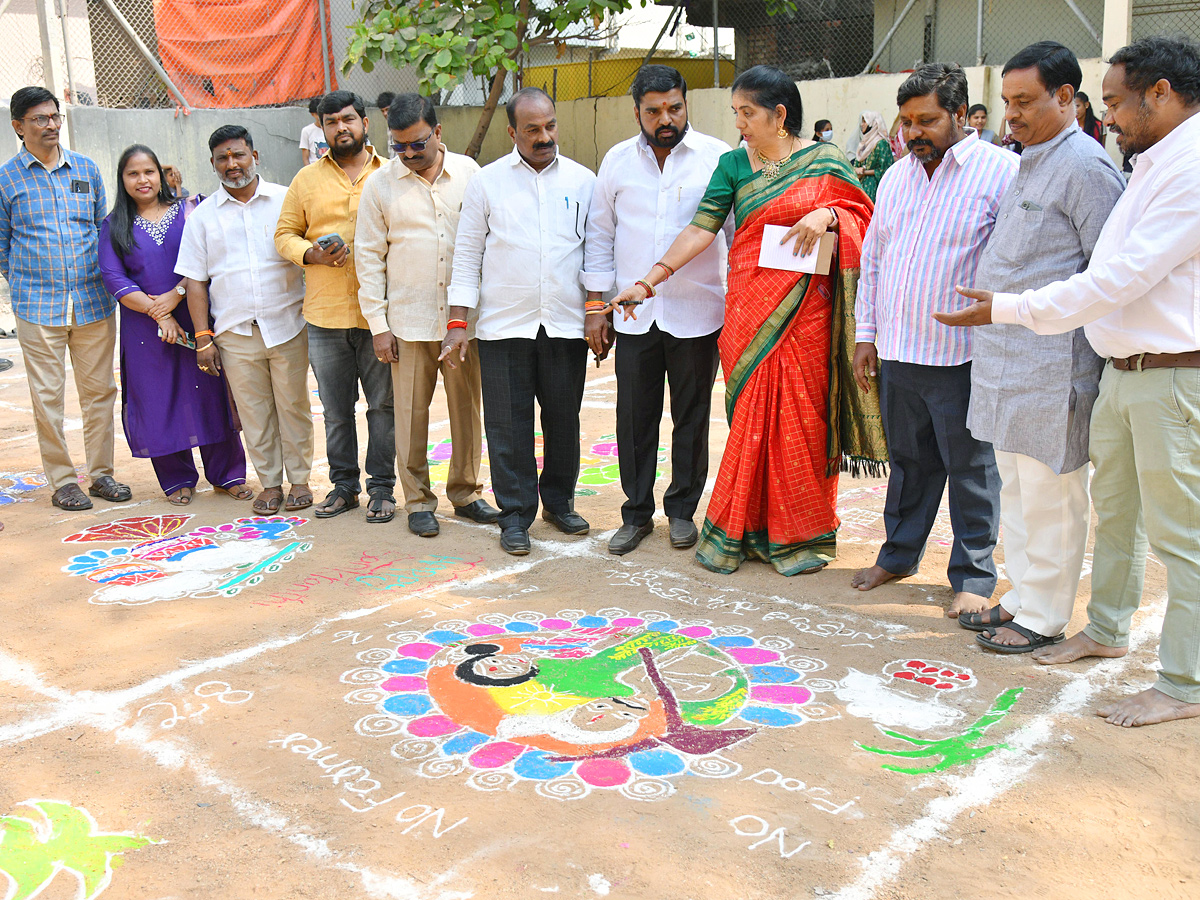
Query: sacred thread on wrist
{"type": "Point", "coordinates": [456, 323]}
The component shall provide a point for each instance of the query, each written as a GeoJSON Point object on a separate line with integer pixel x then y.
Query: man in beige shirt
{"type": "Point", "coordinates": [316, 231]}
{"type": "Point", "coordinates": [407, 221]}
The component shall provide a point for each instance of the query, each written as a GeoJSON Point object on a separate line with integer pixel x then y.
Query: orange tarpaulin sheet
{"type": "Point", "coordinates": [228, 53]}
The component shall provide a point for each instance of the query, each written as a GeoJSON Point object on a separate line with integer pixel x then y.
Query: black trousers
{"type": "Point", "coordinates": [689, 366]}
{"type": "Point", "coordinates": [925, 420]}
{"type": "Point", "coordinates": [515, 372]}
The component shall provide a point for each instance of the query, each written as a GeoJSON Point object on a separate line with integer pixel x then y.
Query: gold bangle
{"type": "Point", "coordinates": [205, 347]}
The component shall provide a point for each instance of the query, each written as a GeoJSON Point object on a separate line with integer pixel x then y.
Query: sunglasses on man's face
{"type": "Point", "coordinates": [415, 146]}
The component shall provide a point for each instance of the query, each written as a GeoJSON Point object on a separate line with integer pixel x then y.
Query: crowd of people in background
{"type": "Point", "coordinates": [380, 274]}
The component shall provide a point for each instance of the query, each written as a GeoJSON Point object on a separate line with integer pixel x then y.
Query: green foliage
{"type": "Point", "coordinates": [451, 41]}
{"type": "Point", "coordinates": [32, 852]}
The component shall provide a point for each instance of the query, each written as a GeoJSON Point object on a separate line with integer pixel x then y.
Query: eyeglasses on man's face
{"type": "Point", "coordinates": [43, 121]}
{"type": "Point", "coordinates": [415, 146]}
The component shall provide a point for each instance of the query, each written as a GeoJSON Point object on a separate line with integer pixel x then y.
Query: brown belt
{"type": "Point", "coordinates": [1190, 360]}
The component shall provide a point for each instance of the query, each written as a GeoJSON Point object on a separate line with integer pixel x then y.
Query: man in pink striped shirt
{"type": "Point", "coordinates": [934, 212]}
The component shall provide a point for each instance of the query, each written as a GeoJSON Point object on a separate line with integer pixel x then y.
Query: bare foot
{"type": "Point", "coordinates": [869, 579]}
{"type": "Point", "coordinates": [1078, 647]}
{"type": "Point", "coordinates": [1149, 707]}
{"type": "Point", "coordinates": [966, 602]}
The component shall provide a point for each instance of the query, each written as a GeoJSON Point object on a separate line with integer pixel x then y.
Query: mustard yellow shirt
{"type": "Point", "coordinates": [323, 200]}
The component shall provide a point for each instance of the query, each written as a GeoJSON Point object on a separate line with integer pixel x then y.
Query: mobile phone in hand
{"type": "Point", "coordinates": [331, 242]}
{"type": "Point", "coordinates": [186, 341]}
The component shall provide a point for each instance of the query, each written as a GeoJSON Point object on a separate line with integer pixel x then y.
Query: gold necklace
{"type": "Point", "coordinates": [771, 167]}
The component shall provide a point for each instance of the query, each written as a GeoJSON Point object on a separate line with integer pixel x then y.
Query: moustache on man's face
{"type": "Point", "coordinates": [544, 145]}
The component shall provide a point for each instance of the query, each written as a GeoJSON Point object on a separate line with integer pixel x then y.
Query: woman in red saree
{"type": "Point", "coordinates": [795, 415]}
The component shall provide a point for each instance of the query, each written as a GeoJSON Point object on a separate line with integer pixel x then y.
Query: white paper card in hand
{"type": "Point", "coordinates": [773, 255]}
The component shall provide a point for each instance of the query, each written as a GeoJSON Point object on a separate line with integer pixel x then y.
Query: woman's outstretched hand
{"type": "Point", "coordinates": [629, 300]}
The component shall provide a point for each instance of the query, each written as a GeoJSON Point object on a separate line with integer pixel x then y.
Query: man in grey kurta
{"type": "Point", "coordinates": [1031, 394]}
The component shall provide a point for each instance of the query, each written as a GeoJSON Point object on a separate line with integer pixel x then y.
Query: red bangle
{"type": "Point", "coordinates": [665, 268]}
{"type": "Point", "coordinates": [647, 285]}
{"type": "Point", "coordinates": [456, 323]}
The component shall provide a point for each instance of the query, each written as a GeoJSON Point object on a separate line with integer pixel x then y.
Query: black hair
{"type": "Point", "coordinates": [406, 110]}
{"type": "Point", "coordinates": [819, 126]}
{"type": "Point", "coordinates": [465, 670]}
{"type": "Point", "coordinates": [511, 106]}
{"type": "Point", "coordinates": [1089, 115]}
{"type": "Point", "coordinates": [656, 79]}
{"type": "Point", "coordinates": [1177, 59]}
{"type": "Point", "coordinates": [978, 107]}
{"type": "Point", "coordinates": [1056, 65]}
{"type": "Point", "coordinates": [946, 80]}
{"type": "Point", "coordinates": [313, 105]}
{"type": "Point", "coordinates": [384, 100]}
{"type": "Point", "coordinates": [336, 101]}
{"type": "Point", "coordinates": [227, 133]}
{"type": "Point", "coordinates": [27, 98]}
{"type": "Point", "coordinates": [769, 87]}
{"type": "Point", "coordinates": [120, 219]}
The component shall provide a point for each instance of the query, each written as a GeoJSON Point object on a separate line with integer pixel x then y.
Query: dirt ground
{"type": "Point", "coordinates": [205, 704]}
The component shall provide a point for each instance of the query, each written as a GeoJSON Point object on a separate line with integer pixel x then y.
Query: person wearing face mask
{"type": "Point", "coordinates": [249, 300]}
{"type": "Point", "coordinates": [518, 256]}
{"type": "Point", "coordinates": [404, 249]}
{"type": "Point", "coordinates": [51, 207]}
{"type": "Point", "coordinates": [823, 131]}
{"type": "Point", "coordinates": [323, 200]}
{"type": "Point", "coordinates": [647, 191]}
{"type": "Point", "coordinates": [874, 152]}
{"type": "Point", "coordinates": [1136, 302]}
{"type": "Point", "coordinates": [933, 214]}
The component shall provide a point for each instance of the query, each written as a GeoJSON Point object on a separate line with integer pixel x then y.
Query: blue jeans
{"type": "Point", "coordinates": [341, 358]}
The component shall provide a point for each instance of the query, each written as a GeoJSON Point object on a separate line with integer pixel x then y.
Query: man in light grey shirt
{"type": "Point", "coordinates": [1031, 394]}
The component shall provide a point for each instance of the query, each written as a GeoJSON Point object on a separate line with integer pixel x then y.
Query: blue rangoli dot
{"type": "Point", "coordinates": [775, 718]}
{"type": "Point", "coordinates": [734, 641]}
{"type": "Point", "coordinates": [664, 625]}
{"type": "Point", "coordinates": [464, 743]}
{"type": "Point", "coordinates": [520, 627]}
{"type": "Point", "coordinates": [656, 762]}
{"type": "Point", "coordinates": [536, 765]}
{"type": "Point", "coordinates": [592, 622]}
{"type": "Point", "coordinates": [444, 637]}
{"type": "Point", "coordinates": [407, 704]}
{"type": "Point", "coordinates": [772, 674]}
{"type": "Point", "coordinates": [405, 666]}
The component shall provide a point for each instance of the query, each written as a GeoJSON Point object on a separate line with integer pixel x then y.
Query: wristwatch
{"type": "Point", "coordinates": [181, 290]}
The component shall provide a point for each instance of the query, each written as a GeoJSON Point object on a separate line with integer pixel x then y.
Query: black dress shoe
{"type": "Point", "coordinates": [683, 533]}
{"type": "Point", "coordinates": [479, 511]}
{"type": "Point", "coordinates": [423, 524]}
{"type": "Point", "coordinates": [628, 537]}
{"type": "Point", "coordinates": [569, 522]}
{"type": "Point", "coordinates": [514, 540]}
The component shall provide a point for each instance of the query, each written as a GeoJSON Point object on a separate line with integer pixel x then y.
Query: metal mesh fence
{"type": "Point", "coordinates": [1165, 17]}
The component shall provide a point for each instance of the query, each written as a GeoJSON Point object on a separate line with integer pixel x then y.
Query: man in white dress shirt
{"type": "Point", "coordinates": [255, 298]}
{"type": "Point", "coordinates": [517, 260]}
{"type": "Point", "coordinates": [1137, 301]}
{"type": "Point", "coordinates": [647, 191]}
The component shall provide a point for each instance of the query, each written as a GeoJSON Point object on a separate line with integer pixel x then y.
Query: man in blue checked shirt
{"type": "Point", "coordinates": [51, 205]}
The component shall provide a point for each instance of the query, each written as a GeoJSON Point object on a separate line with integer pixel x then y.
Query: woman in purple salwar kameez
{"type": "Point", "coordinates": [167, 405]}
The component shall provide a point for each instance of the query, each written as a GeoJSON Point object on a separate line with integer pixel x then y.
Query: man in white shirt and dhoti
{"type": "Point", "coordinates": [1137, 301]}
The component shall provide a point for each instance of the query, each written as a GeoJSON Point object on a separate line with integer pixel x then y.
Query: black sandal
{"type": "Point", "coordinates": [989, 618]}
{"type": "Point", "coordinates": [375, 505]}
{"type": "Point", "coordinates": [328, 507]}
{"type": "Point", "coordinates": [1036, 641]}
{"type": "Point", "coordinates": [70, 497]}
{"type": "Point", "coordinates": [108, 488]}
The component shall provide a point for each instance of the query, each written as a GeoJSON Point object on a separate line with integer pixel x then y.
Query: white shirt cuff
{"type": "Point", "coordinates": [1004, 309]}
{"type": "Point", "coordinates": [458, 295]}
{"type": "Point", "coordinates": [378, 325]}
{"type": "Point", "coordinates": [598, 281]}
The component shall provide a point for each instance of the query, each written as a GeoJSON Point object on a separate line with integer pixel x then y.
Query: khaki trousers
{"type": "Point", "coordinates": [1145, 443]}
{"type": "Point", "coordinates": [413, 379]}
{"type": "Point", "coordinates": [270, 388]}
{"type": "Point", "coordinates": [1046, 518]}
{"type": "Point", "coordinates": [45, 350]}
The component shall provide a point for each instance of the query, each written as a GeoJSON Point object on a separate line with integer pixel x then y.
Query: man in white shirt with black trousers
{"type": "Point", "coordinates": [517, 260]}
{"type": "Point", "coordinates": [647, 191]}
{"type": "Point", "coordinates": [1137, 303]}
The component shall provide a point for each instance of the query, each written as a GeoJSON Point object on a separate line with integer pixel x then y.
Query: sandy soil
{"type": "Point", "coordinates": [274, 703]}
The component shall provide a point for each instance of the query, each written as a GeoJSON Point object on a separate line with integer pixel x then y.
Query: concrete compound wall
{"type": "Point", "coordinates": [587, 128]}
